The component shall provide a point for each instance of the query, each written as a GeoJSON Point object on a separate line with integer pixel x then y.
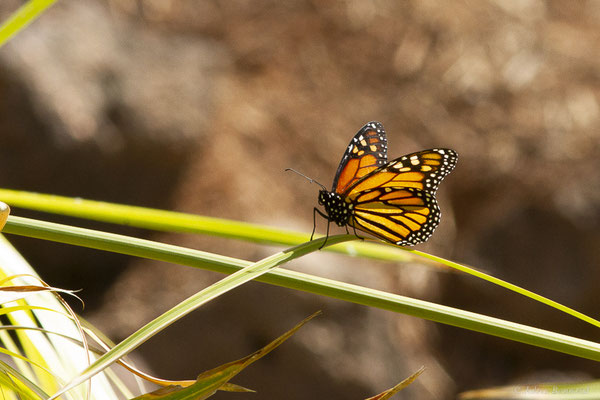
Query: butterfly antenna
{"type": "Point", "coordinates": [311, 180]}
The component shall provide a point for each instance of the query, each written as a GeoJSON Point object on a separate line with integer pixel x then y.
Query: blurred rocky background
{"type": "Point", "coordinates": [199, 106]}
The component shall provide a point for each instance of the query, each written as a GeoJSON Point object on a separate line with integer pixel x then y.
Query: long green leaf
{"type": "Point", "coordinates": [171, 221]}
{"type": "Point", "coordinates": [181, 222]}
{"type": "Point", "coordinates": [308, 283]}
{"type": "Point", "coordinates": [509, 286]}
{"type": "Point", "coordinates": [26, 14]}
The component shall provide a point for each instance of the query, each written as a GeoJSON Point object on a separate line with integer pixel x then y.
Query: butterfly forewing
{"type": "Point", "coordinates": [422, 170]}
{"type": "Point", "coordinates": [366, 152]}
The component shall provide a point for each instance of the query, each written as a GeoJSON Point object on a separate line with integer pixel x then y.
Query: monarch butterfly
{"type": "Point", "coordinates": [394, 201]}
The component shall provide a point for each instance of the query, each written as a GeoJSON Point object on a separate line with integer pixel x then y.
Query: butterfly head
{"type": "Point", "coordinates": [336, 208]}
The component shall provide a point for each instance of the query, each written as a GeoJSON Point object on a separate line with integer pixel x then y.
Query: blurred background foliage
{"type": "Point", "coordinates": [199, 106]}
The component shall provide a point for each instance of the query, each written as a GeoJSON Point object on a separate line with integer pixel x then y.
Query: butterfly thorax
{"type": "Point", "coordinates": [336, 208]}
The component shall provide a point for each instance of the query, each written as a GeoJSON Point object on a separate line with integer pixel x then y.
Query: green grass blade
{"type": "Point", "coordinates": [190, 304]}
{"type": "Point", "coordinates": [25, 15]}
{"type": "Point", "coordinates": [117, 243]}
{"type": "Point", "coordinates": [308, 283]}
{"type": "Point", "coordinates": [509, 286]}
{"type": "Point", "coordinates": [171, 221]}
{"type": "Point", "coordinates": [181, 222]}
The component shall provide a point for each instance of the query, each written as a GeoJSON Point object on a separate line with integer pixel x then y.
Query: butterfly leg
{"type": "Point", "coordinates": [316, 210]}
{"type": "Point", "coordinates": [356, 234]}
{"type": "Point", "coordinates": [326, 236]}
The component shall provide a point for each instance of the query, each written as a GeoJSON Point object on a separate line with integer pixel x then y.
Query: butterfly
{"type": "Point", "coordinates": [395, 200]}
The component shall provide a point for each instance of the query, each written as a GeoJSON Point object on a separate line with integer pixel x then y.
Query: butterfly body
{"type": "Point", "coordinates": [394, 201]}
{"type": "Point", "coordinates": [338, 210]}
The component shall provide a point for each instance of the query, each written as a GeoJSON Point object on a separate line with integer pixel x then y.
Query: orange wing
{"type": "Point", "coordinates": [366, 152]}
{"type": "Point", "coordinates": [423, 170]}
{"type": "Point", "coordinates": [404, 216]}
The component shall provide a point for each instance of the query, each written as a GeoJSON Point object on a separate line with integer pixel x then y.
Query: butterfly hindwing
{"type": "Point", "coordinates": [405, 216]}
{"type": "Point", "coordinates": [366, 152]}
